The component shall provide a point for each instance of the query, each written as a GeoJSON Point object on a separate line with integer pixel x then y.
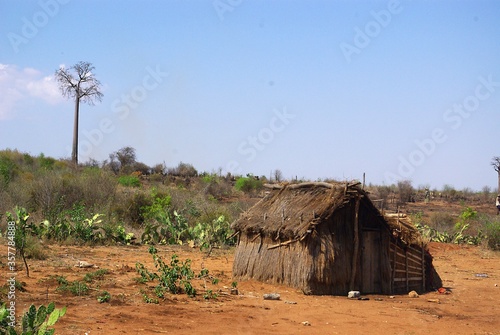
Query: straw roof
{"type": "Point", "coordinates": [293, 210]}
{"type": "Point", "coordinates": [403, 228]}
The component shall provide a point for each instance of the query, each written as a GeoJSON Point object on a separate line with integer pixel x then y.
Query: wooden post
{"type": "Point", "coordinates": [356, 245]}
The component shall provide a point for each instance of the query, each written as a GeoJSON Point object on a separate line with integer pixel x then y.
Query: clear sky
{"type": "Point", "coordinates": [316, 89]}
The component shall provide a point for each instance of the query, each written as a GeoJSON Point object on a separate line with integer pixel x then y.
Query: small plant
{"type": "Point", "coordinates": [77, 287]}
{"type": "Point", "coordinates": [18, 241]}
{"type": "Point", "coordinates": [34, 321]}
{"type": "Point", "coordinates": [104, 297]}
{"type": "Point", "coordinates": [96, 275]}
{"type": "Point", "coordinates": [147, 299]}
{"type": "Point", "coordinates": [209, 294]}
{"type": "Point", "coordinates": [174, 278]}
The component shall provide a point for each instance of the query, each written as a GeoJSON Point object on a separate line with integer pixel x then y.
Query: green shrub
{"type": "Point", "coordinates": [46, 163]}
{"type": "Point", "coordinates": [467, 215]}
{"type": "Point", "coordinates": [214, 233]}
{"type": "Point", "coordinates": [247, 184]}
{"type": "Point", "coordinates": [130, 207]}
{"type": "Point", "coordinates": [492, 229]}
{"type": "Point", "coordinates": [174, 278]}
{"type": "Point", "coordinates": [130, 181]}
{"type": "Point", "coordinates": [7, 170]}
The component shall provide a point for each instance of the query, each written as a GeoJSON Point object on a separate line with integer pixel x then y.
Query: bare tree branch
{"type": "Point", "coordinates": [496, 163]}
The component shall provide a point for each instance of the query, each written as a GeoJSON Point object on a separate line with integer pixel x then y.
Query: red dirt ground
{"type": "Point", "coordinates": [472, 307]}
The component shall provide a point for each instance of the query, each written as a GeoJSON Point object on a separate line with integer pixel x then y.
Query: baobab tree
{"type": "Point", "coordinates": [78, 82]}
{"type": "Point", "coordinates": [495, 162]}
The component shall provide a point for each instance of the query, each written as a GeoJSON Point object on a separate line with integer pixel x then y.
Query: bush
{"type": "Point", "coordinates": [406, 191]}
{"type": "Point", "coordinates": [183, 170]}
{"type": "Point", "coordinates": [442, 221]}
{"type": "Point", "coordinates": [213, 233]}
{"type": "Point", "coordinates": [492, 230]}
{"type": "Point", "coordinates": [130, 207]}
{"type": "Point", "coordinates": [247, 184]}
{"type": "Point", "coordinates": [129, 180]}
{"type": "Point", "coordinates": [7, 170]}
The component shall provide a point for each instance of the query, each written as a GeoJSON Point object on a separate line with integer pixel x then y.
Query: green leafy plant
{"type": "Point", "coordinates": [212, 234]}
{"type": "Point", "coordinates": [458, 237]}
{"type": "Point", "coordinates": [465, 218]}
{"type": "Point", "coordinates": [19, 239]}
{"type": "Point", "coordinates": [118, 234]}
{"type": "Point", "coordinates": [147, 299]}
{"type": "Point", "coordinates": [163, 225]}
{"type": "Point", "coordinates": [34, 321]}
{"type": "Point", "coordinates": [209, 294]}
{"type": "Point", "coordinates": [174, 278]}
{"type": "Point", "coordinates": [104, 297]}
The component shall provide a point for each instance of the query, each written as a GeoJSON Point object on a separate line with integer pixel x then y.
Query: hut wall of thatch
{"type": "Point", "coordinates": [319, 264]}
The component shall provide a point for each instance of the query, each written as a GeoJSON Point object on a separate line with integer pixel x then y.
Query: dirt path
{"type": "Point", "coordinates": [473, 307]}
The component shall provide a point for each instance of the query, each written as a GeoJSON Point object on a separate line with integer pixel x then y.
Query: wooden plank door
{"type": "Point", "coordinates": [370, 262]}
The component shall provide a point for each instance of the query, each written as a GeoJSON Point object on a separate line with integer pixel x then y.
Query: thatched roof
{"type": "Point", "coordinates": [292, 210]}
{"type": "Point", "coordinates": [403, 228]}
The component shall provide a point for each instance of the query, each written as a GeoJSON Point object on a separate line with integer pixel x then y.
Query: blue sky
{"type": "Point", "coordinates": [316, 89]}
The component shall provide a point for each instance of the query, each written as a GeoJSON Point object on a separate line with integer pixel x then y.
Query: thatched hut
{"type": "Point", "coordinates": [328, 239]}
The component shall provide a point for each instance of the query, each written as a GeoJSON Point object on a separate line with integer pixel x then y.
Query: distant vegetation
{"type": "Point", "coordinates": [123, 201]}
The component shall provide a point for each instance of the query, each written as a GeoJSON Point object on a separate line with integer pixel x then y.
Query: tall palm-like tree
{"type": "Point", "coordinates": [79, 82]}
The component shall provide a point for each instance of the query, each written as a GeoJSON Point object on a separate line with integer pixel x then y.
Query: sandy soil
{"type": "Point", "coordinates": [472, 307]}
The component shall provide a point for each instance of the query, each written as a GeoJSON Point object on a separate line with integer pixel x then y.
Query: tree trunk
{"type": "Point", "coordinates": [498, 189]}
{"type": "Point", "coordinates": [74, 154]}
